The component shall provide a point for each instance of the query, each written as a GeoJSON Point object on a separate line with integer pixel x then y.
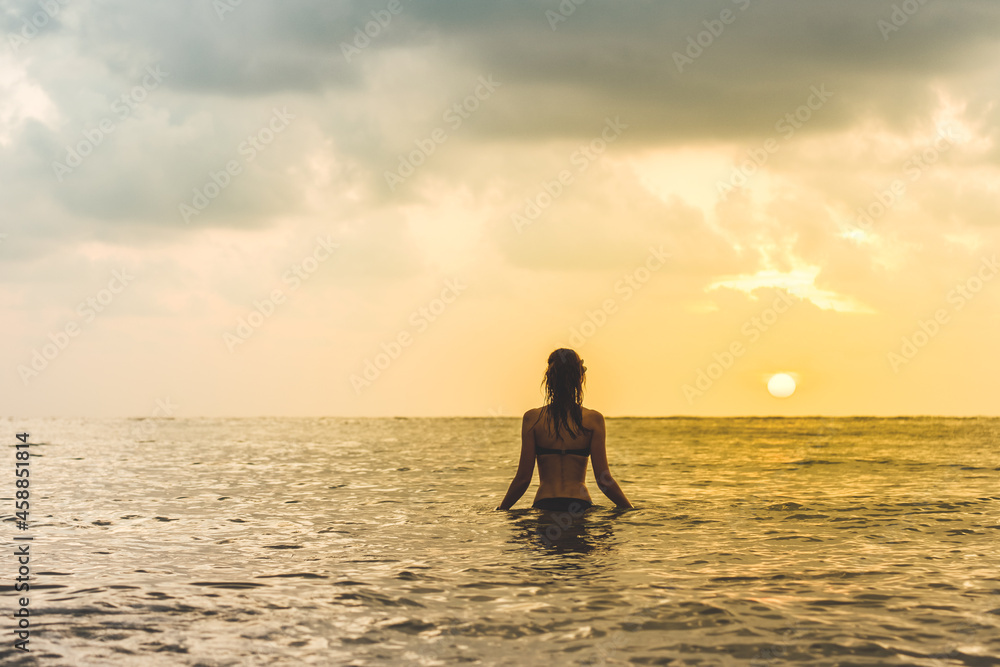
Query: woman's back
{"type": "Point", "coordinates": [560, 438]}
{"type": "Point", "coordinates": [545, 434]}
{"type": "Point", "coordinates": [562, 460]}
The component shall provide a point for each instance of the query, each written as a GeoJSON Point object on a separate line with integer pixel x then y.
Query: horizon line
{"type": "Point", "coordinates": [811, 416]}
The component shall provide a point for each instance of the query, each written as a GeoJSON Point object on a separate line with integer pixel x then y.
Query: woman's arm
{"type": "Point", "coordinates": [599, 458]}
{"type": "Point", "coordinates": [525, 465]}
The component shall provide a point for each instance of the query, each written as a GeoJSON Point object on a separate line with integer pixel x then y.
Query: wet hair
{"type": "Point", "coordinates": [564, 381]}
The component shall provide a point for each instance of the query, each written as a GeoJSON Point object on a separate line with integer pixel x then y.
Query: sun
{"type": "Point", "coordinates": [781, 385]}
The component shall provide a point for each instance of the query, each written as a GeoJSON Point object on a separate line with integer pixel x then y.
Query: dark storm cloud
{"type": "Point", "coordinates": [254, 49]}
{"type": "Point", "coordinates": [622, 58]}
{"type": "Point", "coordinates": [602, 61]}
{"type": "Point", "coordinates": [602, 58]}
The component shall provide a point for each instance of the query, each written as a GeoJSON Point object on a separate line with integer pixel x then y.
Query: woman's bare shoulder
{"type": "Point", "coordinates": [531, 415]}
{"type": "Point", "coordinates": [591, 417]}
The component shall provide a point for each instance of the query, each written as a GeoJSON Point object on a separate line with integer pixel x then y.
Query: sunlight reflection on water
{"type": "Point", "coordinates": [374, 541]}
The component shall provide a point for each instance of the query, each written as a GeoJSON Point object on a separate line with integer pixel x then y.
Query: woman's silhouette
{"type": "Point", "coordinates": [548, 433]}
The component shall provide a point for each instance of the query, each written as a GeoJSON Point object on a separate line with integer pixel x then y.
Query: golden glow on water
{"type": "Point", "coordinates": [359, 539]}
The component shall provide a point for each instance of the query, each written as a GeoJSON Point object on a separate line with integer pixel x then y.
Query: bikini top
{"type": "Point", "coordinates": [539, 450]}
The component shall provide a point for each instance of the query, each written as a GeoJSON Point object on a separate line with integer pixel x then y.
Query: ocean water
{"type": "Point", "coordinates": [376, 542]}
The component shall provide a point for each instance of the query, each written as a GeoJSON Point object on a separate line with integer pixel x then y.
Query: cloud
{"type": "Point", "coordinates": [528, 197]}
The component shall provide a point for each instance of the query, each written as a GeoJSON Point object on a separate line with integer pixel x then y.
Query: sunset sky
{"type": "Point", "coordinates": [401, 207]}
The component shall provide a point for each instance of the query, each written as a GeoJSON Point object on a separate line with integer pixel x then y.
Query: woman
{"type": "Point", "coordinates": [562, 434]}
